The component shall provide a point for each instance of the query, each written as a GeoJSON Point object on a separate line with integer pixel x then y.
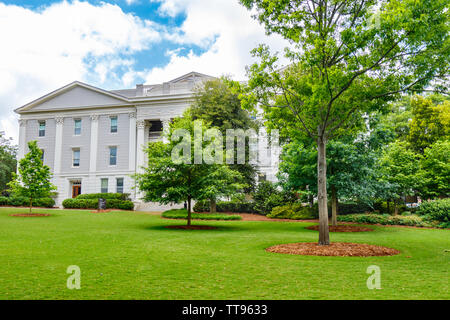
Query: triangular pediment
{"type": "Point", "coordinates": [191, 77]}
{"type": "Point", "coordinates": [74, 95]}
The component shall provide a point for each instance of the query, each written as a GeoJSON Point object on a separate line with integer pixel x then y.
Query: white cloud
{"type": "Point", "coordinates": [46, 49]}
{"type": "Point", "coordinates": [223, 27]}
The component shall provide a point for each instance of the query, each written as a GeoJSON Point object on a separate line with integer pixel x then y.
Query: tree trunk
{"type": "Point", "coordinates": [324, 237]}
{"type": "Point", "coordinates": [334, 206]}
{"type": "Point", "coordinates": [31, 204]}
{"type": "Point", "coordinates": [189, 211]}
{"type": "Point", "coordinates": [387, 205]}
{"type": "Point", "coordinates": [212, 206]}
{"type": "Point", "coordinates": [311, 200]}
{"type": "Point", "coordinates": [395, 207]}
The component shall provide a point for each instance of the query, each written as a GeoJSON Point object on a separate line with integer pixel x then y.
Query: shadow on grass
{"type": "Point", "coordinates": [169, 228]}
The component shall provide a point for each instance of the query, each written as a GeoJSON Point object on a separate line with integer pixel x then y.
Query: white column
{"type": "Point", "coordinates": [132, 143]}
{"type": "Point", "coordinates": [140, 157]}
{"type": "Point", "coordinates": [22, 139]}
{"type": "Point", "coordinates": [140, 145]}
{"type": "Point", "coordinates": [93, 154]}
{"type": "Point", "coordinates": [58, 145]}
{"type": "Point", "coordinates": [165, 125]}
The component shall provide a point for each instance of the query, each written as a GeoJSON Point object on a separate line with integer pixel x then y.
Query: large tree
{"type": "Point", "coordinates": [8, 162]}
{"type": "Point", "coordinates": [435, 170]}
{"type": "Point", "coordinates": [173, 175]}
{"type": "Point", "coordinates": [215, 103]}
{"type": "Point", "coordinates": [33, 178]}
{"type": "Point", "coordinates": [347, 59]}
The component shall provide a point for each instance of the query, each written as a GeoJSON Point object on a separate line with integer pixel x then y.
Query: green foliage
{"type": "Point", "coordinates": [215, 103]}
{"type": "Point", "coordinates": [8, 163]}
{"type": "Point", "coordinates": [429, 124]}
{"type": "Point", "coordinates": [267, 196]}
{"type": "Point", "coordinates": [437, 210]}
{"type": "Point", "coordinates": [93, 204]}
{"type": "Point", "coordinates": [33, 180]}
{"type": "Point", "coordinates": [236, 206]}
{"type": "Point", "coordinates": [435, 170]}
{"type": "Point", "coordinates": [385, 219]}
{"type": "Point", "coordinates": [182, 214]}
{"type": "Point", "coordinates": [166, 179]}
{"type": "Point", "coordinates": [18, 201]}
{"type": "Point", "coordinates": [119, 196]}
{"type": "Point", "coordinates": [294, 211]}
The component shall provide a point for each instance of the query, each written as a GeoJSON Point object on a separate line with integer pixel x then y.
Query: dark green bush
{"type": "Point", "coordinates": [437, 210]}
{"type": "Point", "coordinates": [44, 202]}
{"type": "Point", "coordinates": [182, 214]}
{"type": "Point", "coordinates": [93, 204]}
{"type": "Point", "coordinates": [349, 208]}
{"type": "Point", "coordinates": [294, 211]}
{"type": "Point", "coordinates": [118, 196]}
{"type": "Point", "coordinates": [3, 201]}
{"type": "Point", "coordinates": [18, 201]}
{"type": "Point", "coordinates": [225, 206]}
{"type": "Point", "coordinates": [386, 219]}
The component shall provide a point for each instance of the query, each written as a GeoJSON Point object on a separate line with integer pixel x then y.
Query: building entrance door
{"type": "Point", "coordinates": [76, 189]}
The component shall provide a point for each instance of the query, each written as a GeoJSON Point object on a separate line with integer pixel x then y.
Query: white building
{"type": "Point", "coordinates": [92, 138]}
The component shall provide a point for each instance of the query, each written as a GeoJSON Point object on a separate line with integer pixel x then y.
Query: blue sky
{"type": "Point", "coordinates": [118, 44]}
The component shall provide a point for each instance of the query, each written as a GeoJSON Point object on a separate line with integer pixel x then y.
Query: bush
{"type": "Point", "coordinates": [19, 201]}
{"type": "Point", "coordinates": [3, 201]}
{"type": "Point", "coordinates": [294, 211]}
{"type": "Point", "coordinates": [385, 219]}
{"type": "Point", "coordinates": [225, 206]}
{"type": "Point", "coordinates": [118, 196]}
{"type": "Point", "coordinates": [437, 210]}
{"type": "Point", "coordinates": [182, 214]}
{"type": "Point", "coordinates": [349, 208]}
{"type": "Point", "coordinates": [93, 204]}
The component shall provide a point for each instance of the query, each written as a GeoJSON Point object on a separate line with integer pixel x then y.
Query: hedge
{"type": "Point", "coordinates": [117, 196]}
{"type": "Point", "coordinates": [385, 219]}
{"type": "Point", "coordinates": [226, 206]}
{"type": "Point", "coordinates": [93, 204]}
{"type": "Point", "coordinates": [182, 214]}
{"type": "Point", "coordinates": [17, 201]}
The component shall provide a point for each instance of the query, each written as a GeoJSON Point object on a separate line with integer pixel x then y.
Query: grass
{"type": "Point", "coordinates": [182, 214]}
{"type": "Point", "coordinates": [128, 255]}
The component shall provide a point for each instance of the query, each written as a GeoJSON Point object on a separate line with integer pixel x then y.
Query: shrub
{"type": "Point", "coordinates": [118, 196]}
{"type": "Point", "coordinates": [18, 201]}
{"type": "Point", "coordinates": [182, 214]}
{"type": "Point", "coordinates": [352, 207]}
{"type": "Point", "coordinates": [93, 204]}
{"type": "Point", "coordinates": [294, 211]}
{"type": "Point", "coordinates": [44, 202]}
{"type": "Point", "coordinates": [385, 219]}
{"type": "Point", "coordinates": [437, 210]}
{"type": "Point", "coordinates": [225, 206]}
{"type": "Point", "coordinates": [3, 201]}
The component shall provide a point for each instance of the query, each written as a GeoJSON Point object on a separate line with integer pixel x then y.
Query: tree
{"type": "Point", "coordinates": [33, 178]}
{"type": "Point", "coordinates": [399, 167]}
{"type": "Point", "coordinates": [168, 179]}
{"type": "Point", "coordinates": [347, 59]}
{"type": "Point", "coordinates": [215, 103]}
{"type": "Point", "coordinates": [429, 124]}
{"type": "Point", "coordinates": [435, 170]}
{"type": "Point", "coordinates": [8, 162]}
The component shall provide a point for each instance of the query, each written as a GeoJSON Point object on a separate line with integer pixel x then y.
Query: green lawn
{"type": "Point", "coordinates": [127, 255]}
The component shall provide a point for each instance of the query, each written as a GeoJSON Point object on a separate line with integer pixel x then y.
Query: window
{"type": "Point", "coordinates": [76, 158]}
{"type": "Point", "coordinates": [104, 183]}
{"type": "Point", "coordinates": [77, 131]}
{"type": "Point", "coordinates": [42, 155]}
{"type": "Point", "coordinates": [113, 124]}
{"type": "Point", "coordinates": [119, 185]}
{"type": "Point", "coordinates": [41, 128]}
{"type": "Point", "coordinates": [112, 156]}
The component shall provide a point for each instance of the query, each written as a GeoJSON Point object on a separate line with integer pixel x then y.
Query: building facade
{"type": "Point", "coordinates": [93, 139]}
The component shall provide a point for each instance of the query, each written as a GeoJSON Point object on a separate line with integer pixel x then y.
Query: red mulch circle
{"type": "Point", "coordinates": [337, 249]}
{"type": "Point", "coordinates": [342, 228]}
{"type": "Point", "coordinates": [100, 211]}
{"type": "Point", "coordinates": [192, 227]}
{"type": "Point", "coordinates": [30, 215]}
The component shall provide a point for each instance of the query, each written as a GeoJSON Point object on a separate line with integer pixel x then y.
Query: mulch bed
{"type": "Point", "coordinates": [340, 249]}
{"type": "Point", "coordinates": [341, 228]}
{"type": "Point", "coordinates": [30, 215]}
{"type": "Point", "coordinates": [101, 211]}
{"type": "Point", "coordinates": [192, 227]}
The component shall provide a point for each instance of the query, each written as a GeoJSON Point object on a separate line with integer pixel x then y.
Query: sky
{"type": "Point", "coordinates": [118, 44]}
